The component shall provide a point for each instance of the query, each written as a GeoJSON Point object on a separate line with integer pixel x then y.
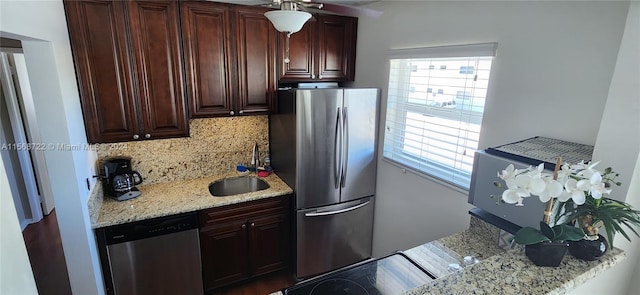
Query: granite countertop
{"type": "Point", "coordinates": [163, 199]}
{"type": "Point", "coordinates": [497, 271]}
{"type": "Point", "coordinates": [503, 271]}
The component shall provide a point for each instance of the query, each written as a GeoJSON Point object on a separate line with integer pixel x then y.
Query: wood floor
{"type": "Point", "coordinates": [262, 286]}
{"type": "Point", "coordinates": [50, 271]}
{"type": "Point", "coordinates": [47, 259]}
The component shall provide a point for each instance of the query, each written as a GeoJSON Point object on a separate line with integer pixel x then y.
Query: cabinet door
{"type": "Point", "coordinates": [302, 48]}
{"type": "Point", "coordinates": [99, 43]}
{"type": "Point", "coordinates": [256, 53]}
{"type": "Point", "coordinates": [205, 29]}
{"type": "Point", "coordinates": [269, 243]}
{"type": "Point", "coordinates": [336, 48]}
{"type": "Point", "coordinates": [224, 254]}
{"type": "Point", "coordinates": [157, 49]}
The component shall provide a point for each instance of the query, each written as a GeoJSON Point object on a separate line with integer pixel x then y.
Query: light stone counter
{"type": "Point", "coordinates": [164, 199]}
{"type": "Point", "coordinates": [504, 271]}
{"type": "Point", "coordinates": [498, 271]}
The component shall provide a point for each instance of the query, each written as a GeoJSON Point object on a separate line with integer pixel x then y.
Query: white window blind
{"type": "Point", "coordinates": [437, 132]}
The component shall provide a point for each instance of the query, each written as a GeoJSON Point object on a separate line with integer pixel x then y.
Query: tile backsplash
{"type": "Point", "coordinates": [216, 146]}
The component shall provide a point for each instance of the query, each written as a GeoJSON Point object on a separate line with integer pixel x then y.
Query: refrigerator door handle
{"type": "Point", "coordinates": [325, 213]}
{"type": "Point", "coordinates": [345, 146]}
{"type": "Point", "coordinates": [337, 156]}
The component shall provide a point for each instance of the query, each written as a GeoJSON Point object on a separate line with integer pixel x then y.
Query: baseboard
{"type": "Point", "coordinates": [24, 223]}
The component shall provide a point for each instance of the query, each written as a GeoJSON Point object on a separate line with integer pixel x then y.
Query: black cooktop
{"type": "Point", "coordinates": [389, 275]}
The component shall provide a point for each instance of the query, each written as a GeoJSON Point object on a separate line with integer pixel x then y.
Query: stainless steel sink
{"type": "Point", "coordinates": [237, 185]}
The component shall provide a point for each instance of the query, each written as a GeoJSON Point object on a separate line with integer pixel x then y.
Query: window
{"type": "Point", "coordinates": [466, 70]}
{"type": "Point", "coordinates": [429, 90]}
{"type": "Point", "coordinates": [460, 94]}
{"type": "Point", "coordinates": [437, 135]}
{"type": "Point", "coordinates": [443, 67]}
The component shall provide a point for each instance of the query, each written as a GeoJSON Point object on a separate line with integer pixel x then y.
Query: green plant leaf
{"type": "Point", "coordinates": [619, 229]}
{"type": "Point", "coordinates": [547, 231]}
{"type": "Point", "coordinates": [631, 228]}
{"type": "Point", "coordinates": [558, 233]}
{"type": "Point", "coordinates": [529, 235]}
{"type": "Point", "coordinates": [567, 233]}
{"type": "Point", "coordinates": [613, 215]}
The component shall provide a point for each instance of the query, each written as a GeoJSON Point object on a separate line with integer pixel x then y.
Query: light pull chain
{"type": "Point", "coordinates": [286, 57]}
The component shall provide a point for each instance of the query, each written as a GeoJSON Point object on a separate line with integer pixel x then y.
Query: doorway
{"type": "Point", "coordinates": [21, 148]}
{"type": "Point", "coordinates": [22, 154]}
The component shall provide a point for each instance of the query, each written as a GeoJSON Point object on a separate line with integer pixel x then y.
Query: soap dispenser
{"type": "Point", "coordinates": [267, 163]}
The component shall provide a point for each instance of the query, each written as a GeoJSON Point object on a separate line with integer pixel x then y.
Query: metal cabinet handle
{"type": "Point", "coordinates": [337, 156]}
{"type": "Point", "coordinates": [244, 226]}
{"type": "Point", "coordinates": [319, 76]}
{"type": "Point", "coordinates": [136, 136]}
{"type": "Point", "coordinates": [241, 112]}
{"type": "Point", "coordinates": [232, 113]}
{"type": "Point", "coordinates": [325, 213]}
{"type": "Point", "coordinates": [253, 224]}
{"type": "Point", "coordinates": [313, 76]}
{"type": "Point", "coordinates": [345, 146]}
{"type": "Point", "coordinates": [147, 135]}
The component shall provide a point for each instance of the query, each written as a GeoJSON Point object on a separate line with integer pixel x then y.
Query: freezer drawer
{"type": "Point", "coordinates": [333, 236]}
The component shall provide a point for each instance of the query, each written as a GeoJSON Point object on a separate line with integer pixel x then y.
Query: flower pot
{"type": "Point", "coordinates": [546, 254]}
{"type": "Point", "coordinates": [589, 249]}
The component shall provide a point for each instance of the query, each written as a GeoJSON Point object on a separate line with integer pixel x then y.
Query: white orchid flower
{"type": "Point", "coordinates": [553, 189]}
{"type": "Point", "coordinates": [598, 190]}
{"type": "Point", "coordinates": [594, 185]}
{"type": "Point", "coordinates": [580, 180]}
{"type": "Point", "coordinates": [564, 196]}
{"type": "Point", "coordinates": [579, 166]}
{"type": "Point", "coordinates": [508, 173]}
{"type": "Point", "coordinates": [565, 171]}
{"type": "Point", "coordinates": [573, 190]}
{"type": "Point", "coordinates": [531, 181]}
{"type": "Point", "coordinates": [511, 196]}
{"type": "Point", "coordinates": [587, 171]}
{"type": "Point", "coordinates": [514, 196]}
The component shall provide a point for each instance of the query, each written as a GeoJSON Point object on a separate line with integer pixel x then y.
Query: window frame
{"type": "Point", "coordinates": [471, 50]}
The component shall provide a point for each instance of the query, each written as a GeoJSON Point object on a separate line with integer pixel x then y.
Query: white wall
{"type": "Point", "coordinates": [551, 78]}
{"type": "Point", "coordinates": [618, 146]}
{"type": "Point", "coordinates": [634, 284]}
{"type": "Point", "coordinates": [41, 25]}
{"type": "Point", "coordinates": [16, 275]}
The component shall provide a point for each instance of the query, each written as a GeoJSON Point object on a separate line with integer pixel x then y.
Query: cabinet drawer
{"type": "Point", "coordinates": [244, 210]}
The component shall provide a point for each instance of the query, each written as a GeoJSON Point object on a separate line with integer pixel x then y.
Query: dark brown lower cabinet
{"type": "Point", "coordinates": [268, 244]}
{"type": "Point", "coordinates": [243, 241]}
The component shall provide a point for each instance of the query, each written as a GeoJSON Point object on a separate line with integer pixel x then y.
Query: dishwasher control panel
{"type": "Point", "coordinates": [150, 228]}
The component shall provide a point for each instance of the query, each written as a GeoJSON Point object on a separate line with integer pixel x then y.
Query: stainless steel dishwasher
{"type": "Point", "coordinates": [155, 256]}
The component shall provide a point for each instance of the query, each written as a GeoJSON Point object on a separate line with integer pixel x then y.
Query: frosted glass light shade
{"type": "Point", "coordinates": [289, 21]}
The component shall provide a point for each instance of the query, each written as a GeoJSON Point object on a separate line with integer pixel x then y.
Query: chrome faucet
{"type": "Point", "coordinates": [255, 159]}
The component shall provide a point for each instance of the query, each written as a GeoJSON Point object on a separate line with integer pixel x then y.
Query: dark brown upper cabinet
{"type": "Point", "coordinates": [128, 58]}
{"type": "Point", "coordinates": [231, 53]}
{"type": "Point", "coordinates": [256, 57]}
{"type": "Point", "coordinates": [324, 50]}
{"type": "Point", "coordinates": [206, 29]}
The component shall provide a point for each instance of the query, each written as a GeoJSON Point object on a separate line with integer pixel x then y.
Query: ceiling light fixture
{"type": "Point", "coordinates": [288, 20]}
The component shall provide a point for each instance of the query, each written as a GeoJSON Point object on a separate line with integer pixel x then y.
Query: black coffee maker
{"type": "Point", "coordinates": [119, 179]}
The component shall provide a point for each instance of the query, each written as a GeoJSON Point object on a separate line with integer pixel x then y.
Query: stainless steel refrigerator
{"type": "Point", "coordinates": [323, 144]}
